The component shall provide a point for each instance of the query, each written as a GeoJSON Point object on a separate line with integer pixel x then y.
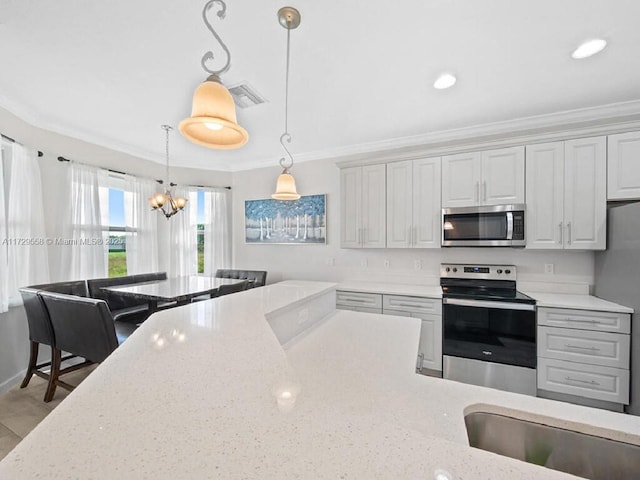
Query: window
{"type": "Point", "coordinates": [200, 231]}
{"type": "Point", "coordinates": [117, 235]}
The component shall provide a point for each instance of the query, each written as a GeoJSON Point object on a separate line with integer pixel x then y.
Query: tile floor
{"type": "Point", "coordinates": [21, 409]}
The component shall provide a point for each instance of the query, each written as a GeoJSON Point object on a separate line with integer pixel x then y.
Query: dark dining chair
{"type": "Point", "coordinates": [81, 326]}
{"type": "Point", "coordinates": [228, 289]}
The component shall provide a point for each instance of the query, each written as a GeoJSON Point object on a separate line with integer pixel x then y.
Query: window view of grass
{"type": "Point", "coordinates": [117, 256]}
{"type": "Point", "coordinates": [200, 248]}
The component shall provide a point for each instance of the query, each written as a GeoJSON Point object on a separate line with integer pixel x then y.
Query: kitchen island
{"type": "Point", "coordinates": [209, 391]}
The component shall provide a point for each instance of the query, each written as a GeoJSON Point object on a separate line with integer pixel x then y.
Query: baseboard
{"type": "Point", "coordinates": [11, 382]}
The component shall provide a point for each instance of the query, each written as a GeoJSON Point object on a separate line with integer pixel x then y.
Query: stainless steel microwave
{"type": "Point", "coordinates": [488, 226]}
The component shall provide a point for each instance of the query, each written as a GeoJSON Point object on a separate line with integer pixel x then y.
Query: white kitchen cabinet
{"type": "Point", "coordinates": [492, 177]}
{"type": "Point", "coordinates": [359, 301]}
{"type": "Point", "coordinates": [566, 195]}
{"type": "Point", "coordinates": [363, 207]}
{"type": "Point", "coordinates": [429, 310]}
{"type": "Point", "coordinates": [413, 204]}
{"type": "Point", "coordinates": [585, 193]}
{"type": "Point", "coordinates": [584, 353]}
{"type": "Point", "coordinates": [623, 166]}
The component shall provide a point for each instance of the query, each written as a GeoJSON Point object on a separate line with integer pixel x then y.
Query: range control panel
{"type": "Point", "coordinates": [484, 272]}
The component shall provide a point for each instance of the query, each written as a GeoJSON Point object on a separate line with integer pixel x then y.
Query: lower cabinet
{"type": "Point", "coordinates": [429, 310]}
{"type": "Point", "coordinates": [590, 361]}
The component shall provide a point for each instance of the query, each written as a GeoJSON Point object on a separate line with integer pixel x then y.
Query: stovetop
{"type": "Point", "coordinates": [481, 293]}
{"type": "Point", "coordinates": [481, 282]}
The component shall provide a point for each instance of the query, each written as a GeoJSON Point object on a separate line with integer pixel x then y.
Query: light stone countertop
{"type": "Point", "coordinates": [429, 291]}
{"type": "Point", "coordinates": [580, 302]}
{"type": "Point", "coordinates": [543, 299]}
{"type": "Point", "coordinates": [219, 397]}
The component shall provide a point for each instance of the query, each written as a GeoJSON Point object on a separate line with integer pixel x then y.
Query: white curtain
{"type": "Point", "coordinates": [28, 258]}
{"type": "Point", "coordinates": [183, 237]}
{"type": "Point", "coordinates": [84, 254]}
{"type": "Point", "coordinates": [217, 231]}
{"type": "Point", "coordinates": [141, 226]}
{"type": "Point", "coordinates": [4, 263]}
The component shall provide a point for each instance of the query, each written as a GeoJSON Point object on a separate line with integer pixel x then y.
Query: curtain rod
{"type": "Point", "coordinates": [62, 159]}
{"type": "Point", "coordinates": [9, 139]}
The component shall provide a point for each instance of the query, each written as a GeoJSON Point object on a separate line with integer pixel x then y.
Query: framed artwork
{"type": "Point", "coordinates": [302, 221]}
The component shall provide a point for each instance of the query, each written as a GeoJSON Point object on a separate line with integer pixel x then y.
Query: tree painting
{"type": "Point", "coordinates": [279, 221]}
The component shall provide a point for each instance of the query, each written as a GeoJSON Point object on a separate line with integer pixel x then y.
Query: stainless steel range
{"type": "Point", "coordinates": [489, 328]}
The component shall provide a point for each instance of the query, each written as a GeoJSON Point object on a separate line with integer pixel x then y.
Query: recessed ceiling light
{"type": "Point", "coordinates": [588, 48]}
{"type": "Point", "coordinates": [445, 80]}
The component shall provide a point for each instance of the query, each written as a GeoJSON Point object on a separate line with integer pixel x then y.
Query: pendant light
{"type": "Point", "coordinates": [213, 121]}
{"type": "Point", "coordinates": [165, 202]}
{"type": "Point", "coordinates": [289, 18]}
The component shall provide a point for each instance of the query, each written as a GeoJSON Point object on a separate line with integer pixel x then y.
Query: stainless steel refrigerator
{"type": "Point", "coordinates": [617, 279]}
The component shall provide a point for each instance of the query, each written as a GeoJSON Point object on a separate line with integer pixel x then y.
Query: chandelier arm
{"type": "Point", "coordinates": [286, 136]}
{"type": "Point", "coordinates": [209, 55]}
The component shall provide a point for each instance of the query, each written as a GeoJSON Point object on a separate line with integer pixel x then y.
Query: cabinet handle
{"type": "Point", "coordinates": [419, 364]}
{"type": "Point", "coordinates": [561, 233]}
{"type": "Point", "coordinates": [484, 191]}
{"type": "Point", "coordinates": [359, 236]}
{"type": "Point", "coordinates": [409, 235]}
{"type": "Point", "coordinates": [477, 195]}
{"type": "Point", "coordinates": [569, 319]}
{"type": "Point", "coordinates": [415, 235]}
{"type": "Point", "coordinates": [364, 236]}
{"type": "Point", "coordinates": [569, 233]}
{"type": "Point", "coordinates": [577, 380]}
{"type": "Point", "coordinates": [578, 347]}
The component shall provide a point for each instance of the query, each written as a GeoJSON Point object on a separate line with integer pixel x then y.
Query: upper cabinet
{"type": "Point", "coordinates": [492, 177]}
{"type": "Point", "coordinates": [413, 204]}
{"type": "Point", "coordinates": [623, 166]}
{"type": "Point", "coordinates": [566, 194]}
{"type": "Point", "coordinates": [362, 207]}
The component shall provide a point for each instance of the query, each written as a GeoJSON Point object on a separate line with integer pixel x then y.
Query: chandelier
{"type": "Point", "coordinates": [289, 18]}
{"type": "Point", "coordinates": [213, 121]}
{"type": "Point", "coordinates": [165, 202]}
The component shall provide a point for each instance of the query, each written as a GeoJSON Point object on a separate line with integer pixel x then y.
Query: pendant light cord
{"type": "Point", "coordinates": [286, 86]}
{"type": "Point", "coordinates": [167, 128]}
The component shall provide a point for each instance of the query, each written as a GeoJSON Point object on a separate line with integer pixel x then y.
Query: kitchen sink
{"type": "Point", "coordinates": [569, 451]}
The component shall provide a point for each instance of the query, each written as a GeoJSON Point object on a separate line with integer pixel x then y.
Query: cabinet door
{"type": "Point", "coordinates": [585, 193]}
{"type": "Point", "coordinates": [502, 179]}
{"type": "Point", "coordinates": [399, 204]}
{"type": "Point", "coordinates": [430, 341]}
{"type": "Point", "coordinates": [545, 195]}
{"type": "Point", "coordinates": [461, 180]}
{"type": "Point", "coordinates": [350, 207]}
{"type": "Point", "coordinates": [623, 166]}
{"type": "Point", "coordinates": [427, 214]}
{"type": "Point", "coordinates": [374, 206]}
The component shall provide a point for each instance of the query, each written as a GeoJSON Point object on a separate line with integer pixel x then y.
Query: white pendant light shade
{"type": "Point", "coordinates": [286, 188]}
{"type": "Point", "coordinates": [213, 121]}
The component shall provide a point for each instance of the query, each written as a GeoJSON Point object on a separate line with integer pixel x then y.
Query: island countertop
{"type": "Point", "coordinates": [207, 391]}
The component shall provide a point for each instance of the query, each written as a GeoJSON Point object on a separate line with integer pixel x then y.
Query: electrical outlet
{"type": "Point", "coordinates": [387, 263]}
{"type": "Point", "coordinates": [548, 268]}
{"type": "Point", "coordinates": [331, 262]}
{"type": "Point", "coordinates": [364, 263]}
{"type": "Point", "coordinates": [417, 264]}
{"type": "Point", "coordinates": [303, 316]}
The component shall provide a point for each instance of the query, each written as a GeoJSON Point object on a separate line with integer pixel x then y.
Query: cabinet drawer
{"type": "Point", "coordinates": [590, 381]}
{"type": "Point", "coordinates": [359, 299]}
{"type": "Point", "coordinates": [585, 319]}
{"type": "Point", "coordinates": [584, 346]}
{"type": "Point", "coordinates": [412, 304]}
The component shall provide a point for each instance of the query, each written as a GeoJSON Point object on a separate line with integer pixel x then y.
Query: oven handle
{"type": "Point", "coordinates": [489, 304]}
{"type": "Point", "coordinates": [509, 225]}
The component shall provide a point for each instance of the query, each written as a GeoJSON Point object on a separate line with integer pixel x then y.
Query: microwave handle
{"type": "Point", "coordinates": [509, 225]}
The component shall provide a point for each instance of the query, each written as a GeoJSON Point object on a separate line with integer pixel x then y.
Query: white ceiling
{"type": "Point", "coordinates": [361, 71]}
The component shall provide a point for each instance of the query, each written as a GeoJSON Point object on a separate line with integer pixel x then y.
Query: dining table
{"type": "Point", "coordinates": [174, 291]}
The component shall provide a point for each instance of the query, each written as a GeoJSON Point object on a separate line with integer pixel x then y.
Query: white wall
{"type": "Point", "coordinates": [312, 261]}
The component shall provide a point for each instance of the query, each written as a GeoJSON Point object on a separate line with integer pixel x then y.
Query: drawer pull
{"type": "Point", "coordinates": [577, 380]}
{"type": "Point", "coordinates": [569, 319]}
{"type": "Point", "coordinates": [487, 352]}
{"type": "Point", "coordinates": [354, 299]}
{"type": "Point", "coordinates": [578, 347]}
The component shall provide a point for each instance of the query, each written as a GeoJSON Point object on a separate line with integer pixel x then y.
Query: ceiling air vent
{"type": "Point", "coordinates": [246, 96]}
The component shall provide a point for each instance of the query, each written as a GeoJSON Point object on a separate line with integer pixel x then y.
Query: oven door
{"type": "Point", "coordinates": [493, 331]}
{"type": "Point", "coordinates": [491, 226]}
